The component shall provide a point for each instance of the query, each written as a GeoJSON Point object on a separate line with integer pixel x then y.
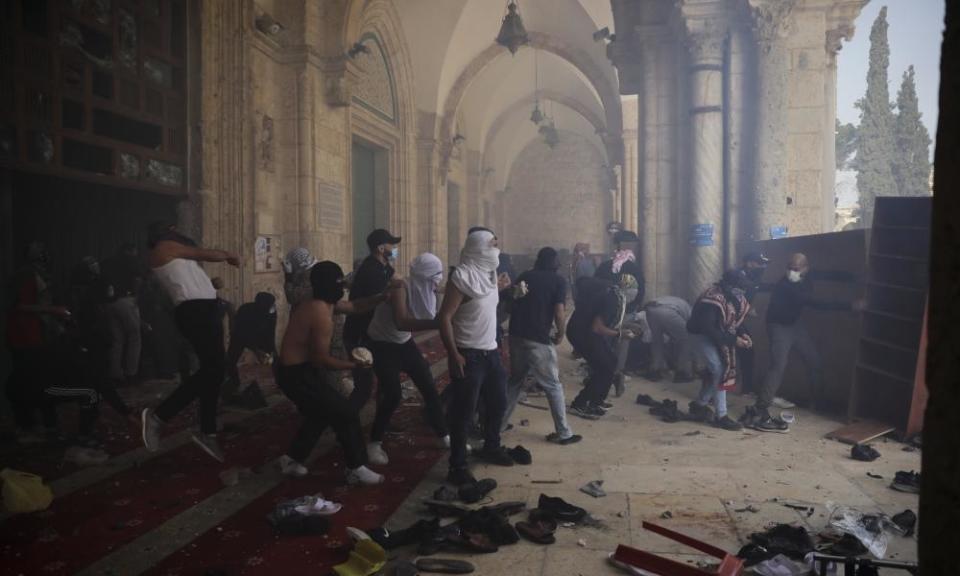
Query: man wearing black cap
{"type": "Point", "coordinates": [370, 279]}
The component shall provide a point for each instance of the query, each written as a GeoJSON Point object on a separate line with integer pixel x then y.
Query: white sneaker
{"type": "Point", "coordinates": [151, 430]}
{"type": "Point", "coordinates": [376, 455]}
{"type": "Point", "coordinates": [290, 467]}
{"type": "Point", "coordinates": [365, 476]}
{"type": "Point", "coordinates": [783, 403]}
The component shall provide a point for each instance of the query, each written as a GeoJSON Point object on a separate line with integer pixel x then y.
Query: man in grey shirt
{"type": "Point", "coordinates": [667, 316]}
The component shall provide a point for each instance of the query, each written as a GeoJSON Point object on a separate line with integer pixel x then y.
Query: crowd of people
{"type": "Point", "coordinates": [98, 335]}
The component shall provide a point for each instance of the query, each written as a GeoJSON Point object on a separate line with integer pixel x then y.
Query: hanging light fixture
{"type": "Point", "coordinates": [536, 116]}
{"type": "Point", "coordinates": [549, 131]}
{"type": "Point", "coordinates": [512, 33]}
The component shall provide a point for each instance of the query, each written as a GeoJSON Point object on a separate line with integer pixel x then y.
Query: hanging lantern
{"type": "Point", "coordinates": [536, 116]}
{"type": "Point", "coordinates": [512, 33]}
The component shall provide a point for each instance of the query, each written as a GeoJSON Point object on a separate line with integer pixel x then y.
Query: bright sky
{"type": "Point", "coordinates": [915, 35]}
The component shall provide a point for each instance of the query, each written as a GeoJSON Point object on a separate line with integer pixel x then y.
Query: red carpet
{"type": "Point", "coordinates": [86, 525]}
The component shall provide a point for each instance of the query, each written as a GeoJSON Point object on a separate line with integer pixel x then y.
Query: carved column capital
{"type": "Point", "coordinates": [834, 41]}
{"type": "Point", "coordinates": [771, 20]}
{"type": "Point", "coordinates": [339, 77]}
{"type": "Point", "coordinates": [704, 40]}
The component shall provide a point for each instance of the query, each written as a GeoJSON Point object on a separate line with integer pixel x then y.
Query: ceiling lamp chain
{"type": "Point", "coordinates": [512, 33]}
{"type": "Point", "coordinates": [536, 116]}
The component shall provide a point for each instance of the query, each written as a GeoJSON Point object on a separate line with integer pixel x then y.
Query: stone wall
{"type": "Point", "coordinates": [556, 197]}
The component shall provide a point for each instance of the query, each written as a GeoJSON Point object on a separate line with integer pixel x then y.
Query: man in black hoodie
{"type": "Point", "coordinates": [254, 328]}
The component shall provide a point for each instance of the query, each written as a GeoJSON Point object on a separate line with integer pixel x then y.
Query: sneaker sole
{"type": "Point", "coordinates": [583, 415]}
{"type": "Point", "coordinates": [144, 416]}
{"type": "Point", "coordinates": [207, 449]}
{"type": "Point", "coordinates": [905, 488]}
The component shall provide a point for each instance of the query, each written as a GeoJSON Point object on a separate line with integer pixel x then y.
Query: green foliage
{"type": "Point", "coordinates": [846, 144]}
{"type": "Point", "coordinates": [911, 167]}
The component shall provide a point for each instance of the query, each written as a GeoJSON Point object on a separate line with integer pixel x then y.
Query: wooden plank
{"type": "Point", "coordinates": [860, 432]}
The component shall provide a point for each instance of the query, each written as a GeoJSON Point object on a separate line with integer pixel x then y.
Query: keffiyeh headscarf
{"type": "Point", "coordinates": [298, 260]}
{"type": "Point", "coordinates": [426, 275]}
{"type": "Point", "coordinates": [620, 258]}
{"type": "Point", "coordinates": [476, 276]}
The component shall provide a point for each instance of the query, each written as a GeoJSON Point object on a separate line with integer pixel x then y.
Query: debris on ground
{"type": "Point", "coordinates": [791, 541]}
{"type": "Point", "coordinates": [750, 508]}
{"type": "Point", "coordinates": [582, 543]}
{"type": "Point", "coordinates": [524, 422]}
{"type": "Point", "coordinates": [667, 515]}
{"type": "Point", "coordinates": [694, 433]}
{"type": "Point", "coordinates": [906, 521]}
{"type": "Point", "coordinates": [875, 476]}
{"type": "Point", "coordinates": [594, 488]}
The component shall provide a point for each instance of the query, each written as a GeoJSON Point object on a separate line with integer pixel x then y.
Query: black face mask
{"type": "Point", "coordinates": [327, 281]}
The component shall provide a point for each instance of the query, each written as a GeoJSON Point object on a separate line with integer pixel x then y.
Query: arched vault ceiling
{"type": "Point", "coordinates": [446, 36]}
{"type": "Point", "coordinates": [507, 80]}
{"type": "Point", "coordinates": [516, 131]}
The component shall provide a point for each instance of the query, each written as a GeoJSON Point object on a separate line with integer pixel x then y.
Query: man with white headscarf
{"type": "Point", "coordinates": [406, 310]}
{"type": "Point", "coordinates": [468, 327]}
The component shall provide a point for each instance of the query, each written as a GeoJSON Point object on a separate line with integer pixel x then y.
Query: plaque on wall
{"type": "Point", "coordinates": [331, 206]}
{"type": "Point", "coordinates": [267, 254]}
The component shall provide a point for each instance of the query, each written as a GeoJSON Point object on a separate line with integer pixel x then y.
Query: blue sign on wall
{"type": "Point", "coordinates": [777, 232]}
{"type": "Point", "coordinates": [701, 235]}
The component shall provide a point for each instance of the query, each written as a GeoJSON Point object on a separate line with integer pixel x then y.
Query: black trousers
{"type": "Point", "coordinates": [320, 405]}
{"type": "Point", "coordinates": [389, 360]}
{"type": "Point", "coordinates": [199, 322]}
{"type": "Point", "coordinates": [484, 378]}
{"type": "Point", "coordinates": [25, 384]}
{"type": "Point", "coordinates": [602, 362]}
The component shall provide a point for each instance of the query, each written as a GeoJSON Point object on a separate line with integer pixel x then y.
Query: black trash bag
{"type": "Point", "coordinates": [791, 541]}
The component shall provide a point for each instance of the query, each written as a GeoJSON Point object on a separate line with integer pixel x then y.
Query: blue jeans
{"type": "Point", "coordinates": [525, 356]}
{"type": "Point", "coordinates": [709, 356]}
{"type": "Point", "coordinates": [484, 377]}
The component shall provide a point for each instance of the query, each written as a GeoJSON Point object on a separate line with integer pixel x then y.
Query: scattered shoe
{"type": "Point", "coordinates": [473, 493]}
{"type": "Point", "coordinates": [668, 411]}
{"type": "Point", "coordinates": [537, 532]}
{"type": "Point", "coordinates": [150, 426]}
{"type": "Point", "coordinates": [594, 488]}
{"type": "Point", "coordinates": [364, 476]}
{"type": "Point", "coordinates": [556, 439]}
{"type": "Point", "coordinates": [906, 521]}
{"type": "Point", "coordinates": [645, 400]}
{"type": "Point", "coordinates": [498, 456]}
{"type": "Point", "coordinates": [771, 424]}
{"type": "Point", "coordinates": [783, 403]}
{"type": "Point", "coordinates": [906, 482]}
{"type": "Point", "coordinates": [460, 476]}
{"type": "Point", "coordinates": [727, 423]}
{"type": "Point", "coordinates": [316, 506]}
{"type": "Point", "coordinates": [864, 453]}
{"type": "Point", "coordinates": [210, 445]}
{"type": "Point", "coordinates": [700, 413]}
{"type": "Point", "coordinates": [376, 455]}
{"type": "Point", "coordinates": [560, 510]}
{"type": "Point", "coordinates": [520, 455]}
{"type": "Point", "coordinates": [290, 467]}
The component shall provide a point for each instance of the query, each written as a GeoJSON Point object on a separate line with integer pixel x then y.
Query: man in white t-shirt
{"type": "Point", "coordinates": [468, 327]}
{"type": "Point", "coordinates": [174, 261]}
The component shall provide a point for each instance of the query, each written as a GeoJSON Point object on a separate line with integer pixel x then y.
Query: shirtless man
{"type": "Point", "coordinates": [304, 354]}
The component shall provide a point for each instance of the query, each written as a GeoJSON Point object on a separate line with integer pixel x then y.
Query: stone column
{"type": "Point", "coordinates": [706, 154]}
{"type": "Point", "coordinates": [738, 144]}
{"type": "Point", "coordinates": [649, 155]}
{"type": "Point", "coordinates": [829, 183]}
{"type": "Point", "coordinates": [630, 171]}
{"type": "Point", "coordinates": [771, 21]}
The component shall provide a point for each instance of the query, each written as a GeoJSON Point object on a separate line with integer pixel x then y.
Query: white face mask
{"type": "Point", "coordinates": [794, 276]}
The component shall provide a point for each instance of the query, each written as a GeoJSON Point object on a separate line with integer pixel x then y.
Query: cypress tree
{"type": "Point", "coordinates": [911, 166]}
{"type": "Point", "coordinates": [875, 147]}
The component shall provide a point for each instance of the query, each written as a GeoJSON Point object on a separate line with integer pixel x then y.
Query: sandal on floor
{"type": "Point", "coordinates": [536, 532]}
{"type": "Point", "coordinates": [444, 566]}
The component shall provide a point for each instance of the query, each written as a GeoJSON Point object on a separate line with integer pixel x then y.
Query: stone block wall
{"type": "Point", "coordinates": [556, 197]}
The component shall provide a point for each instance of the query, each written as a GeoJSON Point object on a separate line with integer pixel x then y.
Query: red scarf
{"type": "Point", "coordinates": [733, 313]}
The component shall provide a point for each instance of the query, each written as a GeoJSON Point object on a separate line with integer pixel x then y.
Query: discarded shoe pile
{"type": "Point", "coordinates": [303, 516]}
{"type": "Point", "coordinates": [864, 453]}
{"type": "Point", "coordinates": [667, 410]}
{"type": "Point", "coordinates": [906, 482]}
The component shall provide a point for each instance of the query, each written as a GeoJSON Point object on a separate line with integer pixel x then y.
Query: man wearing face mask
{"type": "Point", "coordinates": [791, 295]}
{"type": "Point", "coordinates": [255, 329]}
{"type": "Point", "coordinates": [371, 278]}
{"type": "Point", "coordinates": [468, 327]}
{"type": "Point", "coordinates": [716, 328]}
